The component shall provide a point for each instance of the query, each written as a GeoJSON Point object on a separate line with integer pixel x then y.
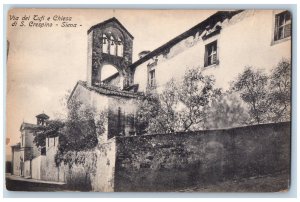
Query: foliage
{"type": "Point", "coordinates": [193, 103]}
{"type": "Point", "coordinates": [87, 159]}
{"type": "Point", "coordinates": [253, 89]}
{"type": "Point", "coordinates": [226, 110]}
{"type": "Point", "coordinates": [179, 107]}
{"type": "Point", "coordinates": [268, 97]}
{"type": "Point", "coordinates": [280, 92]}
{"type": "Point", "coordinates": [195, 93]}
{"type": "Point", "coordinates": [78, 135]}
{"type": "Point", "coordinates": [51, 129]}
{"type": "Point", "coordinates": [148, 109]}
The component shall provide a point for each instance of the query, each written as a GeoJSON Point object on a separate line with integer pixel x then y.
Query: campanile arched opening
{"type": "Point", "coordinates": [111, 76]}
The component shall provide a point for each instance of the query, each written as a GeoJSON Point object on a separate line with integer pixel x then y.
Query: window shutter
{"type": "Point", "coordinates": [214, 58]}
{"type": "Point", "coordinates": [206, 56]}
{"type": "Point", "coordinates": [287, 30]}
{"type": "Point", "coordinates": [276, 27]}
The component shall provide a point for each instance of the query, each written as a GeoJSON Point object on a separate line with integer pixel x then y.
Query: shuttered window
{"type": "Point", "coordinates": [152, 78]}
{"type": "Point", "coordinates": [211, 54]}
{"type": "Point", "coordinates": [282, 26]}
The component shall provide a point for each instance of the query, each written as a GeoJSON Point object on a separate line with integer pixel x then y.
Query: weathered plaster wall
{"type": "Point", "coordinates": [104, 103]}
{"type": "Point", "coordinates": [92, 99]}
{"type": "Point", "coordinates": [171, 161]}
{"type": "Point", "coordinates": [37, 166]}
{"type": "Point", "coordinates": [244, 40]}
{"type": "Point", "coordinates": [127, 107]}
{"type": "Point", "coordinates": [77, 178]}
{"type": "Point", "coordinates": [31, 148]}
{"type": "Point", "coordinates": [16, 155]}
{"type": "Point", "coordinates": [27, 170]}
{"type": "Point", "coordinates": [51, 171]}
{"type": "Point", "coordinates": [104, 179]}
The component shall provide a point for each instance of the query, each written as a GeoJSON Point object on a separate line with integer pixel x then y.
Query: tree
{"type": "Point", "coordinates": [252, 85]}
{"type": "Point", "coordinates": [226, 110]}
{"type": "Point", "coordinates": [50, 130]}
{"type": "Point", "coordinates": [148, 110]}
{"type": "Point", "coordinates": [280, 91]}
{"type": "Point", "coordinates": [179, 107]}
{"type": "Point", "coordinates": [82, 128]}
{"type": "Point", "coordinates": [195, 93]}
{"type": "Point", "coordinates": [78, 136]}
{"type": "Point", "coordinates": [268, 97]}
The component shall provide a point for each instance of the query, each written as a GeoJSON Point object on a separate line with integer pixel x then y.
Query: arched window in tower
{"type": "Point", "coordinates": [113, 45]}
{"type": "Point", "coordinates": [120, 48]}
{"type": "Point", "coordinates": [105, 44]}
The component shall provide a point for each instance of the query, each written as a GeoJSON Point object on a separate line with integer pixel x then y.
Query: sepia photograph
{"type": "Point", "coordinates": [132, 100]}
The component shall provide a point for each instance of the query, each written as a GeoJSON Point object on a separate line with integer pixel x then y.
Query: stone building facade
{"type": "Point", "coordinates": [109, 43]}
{"type": "Point", "coordinates": [222, 46]}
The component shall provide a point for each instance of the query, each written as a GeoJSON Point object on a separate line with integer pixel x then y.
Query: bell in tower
{"type": "Point", "coordinates": [42, 119]}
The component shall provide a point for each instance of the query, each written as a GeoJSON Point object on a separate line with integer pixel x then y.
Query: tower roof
{"type": "Point", "coordinates": [43, 116]}
{"type": "Point", "coordinates": [108, 21]}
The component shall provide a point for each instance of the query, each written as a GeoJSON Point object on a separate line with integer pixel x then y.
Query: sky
{"type": "Point", "coordinates": [45, 63]}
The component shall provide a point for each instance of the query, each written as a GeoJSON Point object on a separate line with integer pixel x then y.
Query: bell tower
{"type": "Point", "coordinates": [42, 119]}
{"type": "Point", "coordinates": [109, 43]}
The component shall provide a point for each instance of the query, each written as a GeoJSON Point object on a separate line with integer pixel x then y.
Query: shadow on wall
{"type": "Point", "coordinates": [168, 162]}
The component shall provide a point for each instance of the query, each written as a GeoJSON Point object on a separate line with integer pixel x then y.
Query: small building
{"type": "Point", "coordinates": [25, 151]}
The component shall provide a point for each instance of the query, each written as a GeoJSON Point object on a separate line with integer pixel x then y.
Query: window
{"type": "Point", "coordinates": [112, 44]}
{"type": "Point", "coordinates": [211, 54]}
{"type": "Point", "coordinates": [282, 26]}
{"type": "Point", "coordinates": [119, 48]}
{"type": "Point", "coordinates": [43, 151]}
{"type": "Point", "coordinates": [112, 49]}
{"type": "Point", "coordinates": [105, 42]}
{"type": "Point", "coordinates": [152, 78]}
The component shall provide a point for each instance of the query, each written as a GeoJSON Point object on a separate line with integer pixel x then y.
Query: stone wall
{"type": "Point", "coordinates": [97, 58]}
{"type": "Point", "coordinates": [166, 162]}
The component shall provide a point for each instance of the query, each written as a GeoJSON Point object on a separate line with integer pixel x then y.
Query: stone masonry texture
{"type": "Point", "coordinates": [166, 162]}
